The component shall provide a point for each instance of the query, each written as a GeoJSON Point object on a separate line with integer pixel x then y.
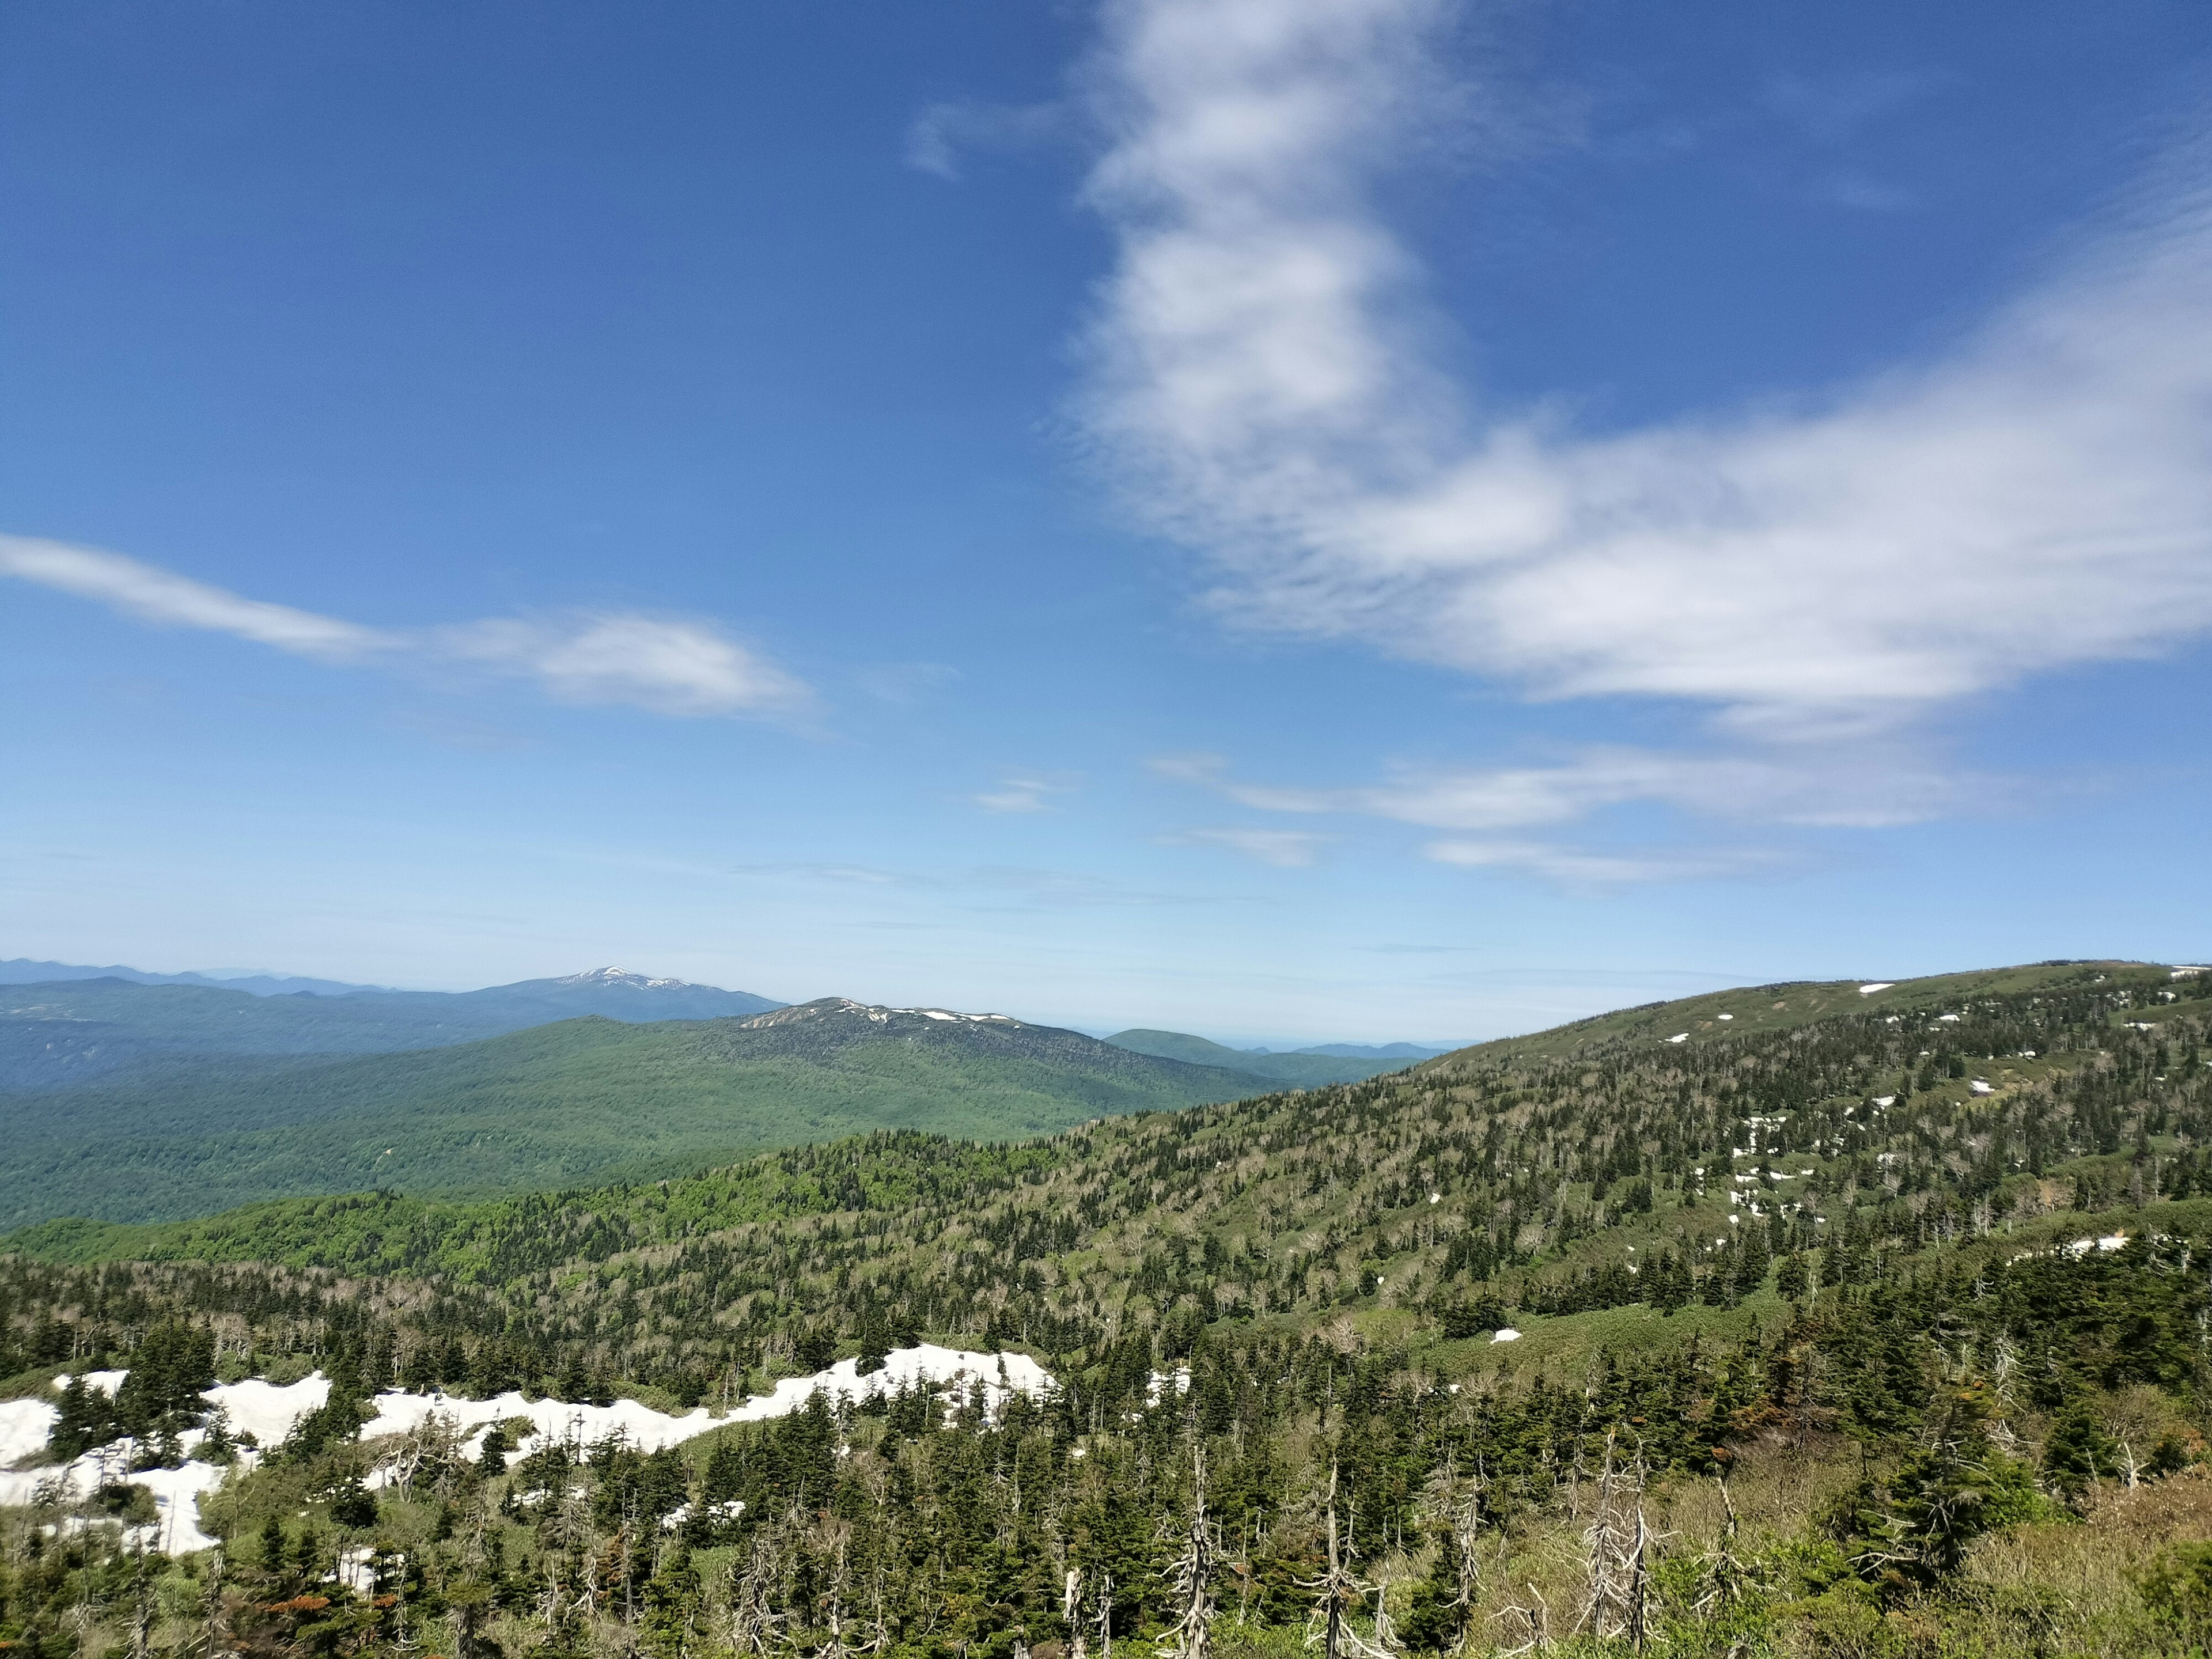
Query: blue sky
{"type": "Point", "coordinates": [1322, 519]}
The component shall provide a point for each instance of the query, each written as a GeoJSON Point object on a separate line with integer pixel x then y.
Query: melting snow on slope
{"type": "Point", "coordinates": [1000, 1375]}
{"type": "Point", "coordinates": [24, 1426]}
{"type": "Point", "coordinates": [175, 1529]}
{"type": "Point", "coordinates": [270, 1412]}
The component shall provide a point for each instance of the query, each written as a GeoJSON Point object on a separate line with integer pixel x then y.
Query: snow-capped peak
{"type": "Point", "coordinates": [823, 1007]}
{"type": "Point", "coordinates": [622, 976]}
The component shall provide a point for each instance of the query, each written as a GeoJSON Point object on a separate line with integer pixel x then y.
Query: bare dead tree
{"type": "Point", "coordinates": [1458, 1504]}
{"type": "Point", "coordinates": [1533, 1624]}
{"type": "Point", "coordinates": [1723, 1577]}
{"type": "Point", "coordinates": [1192, 1566]}
{"type": "Point", "coordinates": [1070, 1612]}
{"type": "Point", "coordinates": [833, 1646]}
{"type": "Point", "coordinates": [1337, 1592]}
{"type": "Point", "coordinates": [754, 1627]}
{"type": "Point", "coordinates": [1616, 1547]}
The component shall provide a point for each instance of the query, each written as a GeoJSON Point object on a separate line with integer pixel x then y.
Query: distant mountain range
{"type": "Point", "coordinates": [132, 1096]}
{"type": "Point", "coordinates": [21, 970]}
{"type": "Point", "coordinates": [80, 1029]}
{"type": "Point", "coordinates": [180, 1133]}
{"type": "Point", "coordinates": [1303, 1068]}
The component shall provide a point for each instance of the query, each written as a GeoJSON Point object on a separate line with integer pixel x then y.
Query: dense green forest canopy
{"type": "Point", "coordinates": [587, 1100]}
{"type": "Point", "coordinates": [1856, 1321]}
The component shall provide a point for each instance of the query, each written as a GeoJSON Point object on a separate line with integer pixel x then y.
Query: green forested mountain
{"type": "Point", "coordinates": [62, 1034]}
{"type": "Point", "coordinates": [580, 1101]}
{"type": "Point", "coordinates": [1859, 1322]}
{"type": "Point", "coordinates": [1299, 1071]}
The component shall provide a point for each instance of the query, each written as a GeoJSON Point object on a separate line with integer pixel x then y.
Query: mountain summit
{"type": "Point", "coordinates": [618, 993]}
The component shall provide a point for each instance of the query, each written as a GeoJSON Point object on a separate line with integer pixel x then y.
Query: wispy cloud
{"type": "Point", "coordinates": [1867, 786]}
{"type": "Point", "coordinates": [1287, 849]}
{"type": "Point", "coordinates": [1834, 109]}
{"type": "Point", "coordinates": [943, 134]}
{"type": "Point", "coordinates": [2036, 496]}
{"type": "Point", "coordinates": [680, 666]}
{"type": "Point", "coordinates": [1581, 867]}
{"type": "Point", "coordinates": [1027, 792]}
{"type": "Point", "coordinates": [165, 598]}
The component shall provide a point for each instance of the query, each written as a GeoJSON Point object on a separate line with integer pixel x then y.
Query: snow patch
{"type": "Point", "coordinates": [1000, 1376]}
{"type": "Point", "coordinates": [175, 1529]}
{"type": "Point", "coordinates": [266, 1410]}
{"type": "Point", "coordinates": [24, 1426]}
{"type": "Point", "coordinates": [270, 1412]}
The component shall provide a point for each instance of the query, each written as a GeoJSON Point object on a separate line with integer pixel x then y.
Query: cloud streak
{"type": "Point", "coordinates": [1503, 817]}
{"type": "Point", "coordinates": [1027, 792]}
{"type": "Point", "coordinates": [675, 666]}
{"type": "Point", "coordinates": [1285, 849]}
{"type": "Point", "coordinates": [2038, 496]}
{"type": "Point", "coordinates": [1872, 788]}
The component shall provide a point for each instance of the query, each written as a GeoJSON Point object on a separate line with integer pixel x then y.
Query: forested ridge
{"type": "Point", "coordinates": [590, 1099]}
{"type": "Point", "coordinates": [1847, 1323]}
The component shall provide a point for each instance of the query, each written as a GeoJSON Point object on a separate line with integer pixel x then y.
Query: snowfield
{"type": "Point", "coordinates": [24, 1426]}
{"type": "Point", "coordinates": [270, 1412]}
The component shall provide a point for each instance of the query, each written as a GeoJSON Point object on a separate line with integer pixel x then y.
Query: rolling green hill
{"type": "Point", "coordinates": [559, 1106]}
{"type": "Point", "coordinates": [1862, 1322]}
{"type": "Point", "coordinates": [1299, 1071]}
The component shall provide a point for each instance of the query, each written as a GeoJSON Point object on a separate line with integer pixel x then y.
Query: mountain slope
{"type": "Point", "coordinates": [1305, 1070]}
{"type": "Point", "coordinates": [55, 1035]}
{"type": "Point", "coordinates": [1541, 1138]}
{"type": "Point", "coordinates": [613, 993]}
{"type": "Point", "coordinates": [1918, 1275]}
{"type": "Point", "coordinates": [560, 1105]}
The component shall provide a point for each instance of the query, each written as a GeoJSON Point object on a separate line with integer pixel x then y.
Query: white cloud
{"type": "Point", "coordinates": [671, 665]}
{"type": "Point", "coordinates": [1287, 849]}
{"type": "Point", "coordinates": [2038, 496]}
{"type": "Point", "coordinates": [1028, 792]}
{"type": "Point", "coordinates": [1870, 787]}
{"type": "Point", "coordinates": [164, 598]}
{"type": "Point", "coordinates": [942, 133]}
{"type": "Point", "coordinates": [1581, 868]}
